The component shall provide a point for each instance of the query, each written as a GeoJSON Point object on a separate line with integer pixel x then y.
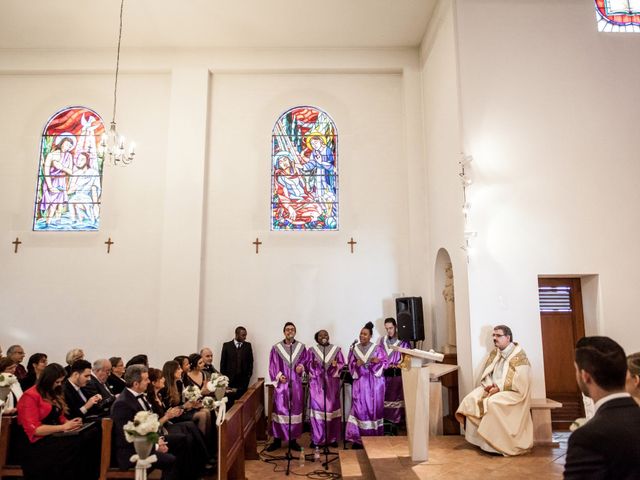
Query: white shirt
{"type": "Point", "coordinates": [612, 396]}
{"type": "Point", "coordinates": [140, 400]}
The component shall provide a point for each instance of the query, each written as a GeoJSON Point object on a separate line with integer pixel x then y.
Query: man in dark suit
{"type": "Point", "coordinates": [236, 361]}
{"type": "Point", "coordinates": [131, 401]}
{"type": "Point", "coordinates": [608, 445]}
{"type": "Point", "coordinates": [79, 403]}
{"type": "Point", "coordinates": [97, 386]}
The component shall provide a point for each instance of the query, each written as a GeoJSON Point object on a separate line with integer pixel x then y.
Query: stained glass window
{"type": "Point", "coordinates": [304, 171]}
{"type": "Point", "coordinates": [70, 172]}
{"type": "Point", "coordinates": [618, 15]}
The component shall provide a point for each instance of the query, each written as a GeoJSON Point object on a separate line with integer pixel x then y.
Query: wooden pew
{"type": "Point", "coordinates": [106, 471]}
{"type": "Point", "coordinates": [244, 424]}
{"type": "Point", "coordinates": [253, 418]}
{"type": "Point", "coordinates": [5, 437]}
{"type": "Point", "coordinates": [231, 446]}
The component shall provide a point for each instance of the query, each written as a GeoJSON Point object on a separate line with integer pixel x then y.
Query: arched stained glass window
{"type": "Point", "coordinates": [70, 172]}
{"type": "Point", "coordinates": [618, 15]}
{"type": "Point", "coordinates": [304, 171]}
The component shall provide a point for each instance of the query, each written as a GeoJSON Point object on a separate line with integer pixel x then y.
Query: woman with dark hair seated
{"type": "Point", "coordinates": [194, 439]}
{"type": "Point", "coordinates": [140, 359]}
{"type": "Point", "coordinates": [35, 366]}
{"type": "Point", "coordinates": [54, 451]}
{"type": "Point", "coordinates": [171, 396]}
{"type": "Point", "coordinates": [115, 380]}
{"type": "Point", "coordinates": [196, 375]}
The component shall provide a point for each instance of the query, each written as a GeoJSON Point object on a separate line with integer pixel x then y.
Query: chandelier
{"type": "Point", "coordinates": [112, 145]}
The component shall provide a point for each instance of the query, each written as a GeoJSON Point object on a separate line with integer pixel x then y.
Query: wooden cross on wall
{"type": "Point", "coordinates": [257, 243]}
{"type": "Point", "coordinates": [108, 243]}
{"type": "Point", "coordinates": [351, 243]}
{"type": "Point", "coordinates": [16, 243]}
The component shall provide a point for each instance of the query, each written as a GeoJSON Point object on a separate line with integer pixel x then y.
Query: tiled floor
{"type": "Point", "coordinates": [450, 458]}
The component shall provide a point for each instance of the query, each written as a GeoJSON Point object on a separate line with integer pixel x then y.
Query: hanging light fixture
{"type": "Point", "coordinates": [112, 145]}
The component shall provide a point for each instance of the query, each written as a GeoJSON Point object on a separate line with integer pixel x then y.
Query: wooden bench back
{"type": "Point", "coordinates": [5, 438]}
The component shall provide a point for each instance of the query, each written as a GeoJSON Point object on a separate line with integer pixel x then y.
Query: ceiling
{"type": "Point", "coordinates": [214, 23]}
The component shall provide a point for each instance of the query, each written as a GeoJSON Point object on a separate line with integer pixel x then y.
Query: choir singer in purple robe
{"type": "Point", "coordinates": [286, 366]}
{"type": "Point", "coordinates": [324, 362]}
{"type": "Point", "coordinates": [366, 363]}
{"type": "Point", "coordinates": [393, 396]}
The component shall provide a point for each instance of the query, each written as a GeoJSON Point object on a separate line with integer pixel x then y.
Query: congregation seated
{"type": "Point", "coordinates": [607, 445]}
{"type": "Point", "coordinates": [57, 448]}
{"type": "Point", "coordinates": [79, 402]}
{"type": "Point", "coordinates": [173, 430]}
{"type": "Point", "coordinates": [131, 401]}
{"type": "Point", "coordinates": [115, 381]}
{"type": "Point", "coordinates": [496, 414]}
{"type": "Point", "coordinates": [35, 366]}
{"type": "Point", "coordinates": [16, 353]}
{"type": "Point", "coordinates": [72, 356]}
{"type": "Point", "coordinates": [100, 371]}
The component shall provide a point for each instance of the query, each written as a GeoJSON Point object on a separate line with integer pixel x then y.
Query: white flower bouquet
{"type": "Point", "coordinates": [218, 381]}
{"type": "Point", "coordinates": [191, 394]}
{"type": "Point", "coordinates": [144, 425]}
{"type": "Point", "coordinates": [208, 403]}
{"type": "Point", "coordinates": [7, 379]}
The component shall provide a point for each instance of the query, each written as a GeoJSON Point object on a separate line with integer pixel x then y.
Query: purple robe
{"type": "Point", "coordinates": [393, 396]}
{"type": "Point", "coordinates": [367, 402]}
{"type": "Point", "coordinates": [279, 365]}
{"type": "Point", "coordinates": [319, 373]}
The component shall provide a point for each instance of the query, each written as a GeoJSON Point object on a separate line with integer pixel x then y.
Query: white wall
{"type": "Point", "coordinates": [309, 278]}
{"type": "Point", "coordinates": [549, 108]}
{"type": "Point", "coordinates": [183, 272]}
{"type": "Point", "coordinates": [62, 290]}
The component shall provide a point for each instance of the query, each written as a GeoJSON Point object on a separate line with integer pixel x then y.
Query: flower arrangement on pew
{"type": "Point", "coordinates": [218, 385]}
{"type": "Point", "coordinates": [6, 380]}
{"type": "Point", "coordinates": [142, 431]}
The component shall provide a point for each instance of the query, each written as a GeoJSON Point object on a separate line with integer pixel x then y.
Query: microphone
{"type": "Point", "coordinates": [353, 344]}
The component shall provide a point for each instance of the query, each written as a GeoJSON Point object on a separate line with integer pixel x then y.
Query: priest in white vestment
{"type": "Point", "coordinates": [497, 413]}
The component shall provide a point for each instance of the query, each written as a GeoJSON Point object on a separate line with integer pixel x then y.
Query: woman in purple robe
{"type": "Point", "coordinates": [393, 396]}
{"type": "Point", "coordinates": [366, 363]}
{"type": "Point", "coordinates": [324, 362]}
{"type": "Point", "coordinates": [286, 366]}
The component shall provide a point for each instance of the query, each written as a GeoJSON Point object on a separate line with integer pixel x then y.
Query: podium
{"type": "Point", "coordinates": [421, 386]}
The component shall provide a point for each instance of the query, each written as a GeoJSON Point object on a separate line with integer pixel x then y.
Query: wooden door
{"type": "Point", "coordinates": [562, 322]}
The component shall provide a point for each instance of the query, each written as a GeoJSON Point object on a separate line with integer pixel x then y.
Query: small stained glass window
{"type": "Point", "coordinates": [70, 172]}
{"type": "Point", "coordinates": [304, 171]}
{"type": "Point", "coordinates": [618, 15]}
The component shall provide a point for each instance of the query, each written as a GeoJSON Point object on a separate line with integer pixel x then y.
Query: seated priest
{"type": "Point", "coordinates": [497, 413]}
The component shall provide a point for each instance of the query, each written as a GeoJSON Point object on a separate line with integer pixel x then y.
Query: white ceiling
{"type": "Point", "coordinates": [214, 23]}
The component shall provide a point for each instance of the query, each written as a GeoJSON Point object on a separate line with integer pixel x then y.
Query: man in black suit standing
{"type": "Point", "coordinates": [236, 362]}
{"type": "Point", "coordinates": [608, 445]}
{"type": "Point", "coordinates": [80, 404]}
{"type": "Point", "coordinates": [97, 386]}
{"type": "Point", "coordinates": [131, 401]}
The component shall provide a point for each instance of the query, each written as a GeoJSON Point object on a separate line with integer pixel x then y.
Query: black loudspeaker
{"type": "Point", "coordinates": [410, 318]}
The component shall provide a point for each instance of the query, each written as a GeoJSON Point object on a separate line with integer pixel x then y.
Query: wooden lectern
{"type": "Point", "coordinates": [418, 393]}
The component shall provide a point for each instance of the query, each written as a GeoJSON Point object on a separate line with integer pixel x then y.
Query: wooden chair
{"type": "Point", "coordinates": [5, 438]}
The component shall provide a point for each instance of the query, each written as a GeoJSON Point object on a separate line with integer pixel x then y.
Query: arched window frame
{"type": "Point", "coordinates": [618, 15]}
{"type": "Point", "coordinates": [304, 171]}
{"type": "Point", "coordinates": [69, 183]}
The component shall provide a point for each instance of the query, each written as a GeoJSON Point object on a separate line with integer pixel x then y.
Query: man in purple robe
{"type": "Point", "coordinates": [366, 363]}
{"type": "Point", "coordinates": [286, 366]}
{"type": "Point", "coordinates": [324, 362]}
{"type": "Point", "coordinates": [393, 396]}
